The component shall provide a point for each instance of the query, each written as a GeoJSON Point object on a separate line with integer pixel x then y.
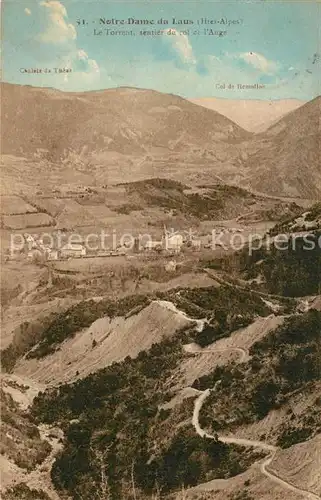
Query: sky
{"type": "Point", "coordinates": [221, 46]}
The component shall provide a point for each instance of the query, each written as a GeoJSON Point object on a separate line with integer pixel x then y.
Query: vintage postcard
{"type": "Point", "coordinates": [161, 250]}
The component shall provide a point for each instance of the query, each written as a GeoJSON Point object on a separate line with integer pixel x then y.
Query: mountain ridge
{"type": "Point", "coordinates": [125, 134]}
{"type": "Point", "coordinates": [286, 155]}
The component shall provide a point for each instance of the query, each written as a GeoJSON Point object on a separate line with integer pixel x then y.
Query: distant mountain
{"type": "Point", "coordinates": [255, 115]}
{"type": "Point", "coordinates": [285, 159]}
{"type": "Point", "coordinates": [126, 134]}
{"type": "Point", "coordinates": [123, 120]}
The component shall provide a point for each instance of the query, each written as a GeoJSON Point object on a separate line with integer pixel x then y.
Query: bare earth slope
{"type": "Point", "coordinates": [125, 120]}
{"type": "Point", "coordinates": [116, 339]}
{"type": "Point", "coordinates": [301, 465]}
{"type": "Point", "coordinates": [286, 157]}
{"type": "Point", "coordinates": [298, 465]}
{"type": "Point", "coordinates": [290, 472]}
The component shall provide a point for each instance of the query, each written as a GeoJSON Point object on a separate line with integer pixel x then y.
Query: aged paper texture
{"type": "Point", "coordinates": [161, 250]}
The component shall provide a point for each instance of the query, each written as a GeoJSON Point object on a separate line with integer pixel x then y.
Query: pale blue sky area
{"type": "Point", "coordinates": [275, 44]}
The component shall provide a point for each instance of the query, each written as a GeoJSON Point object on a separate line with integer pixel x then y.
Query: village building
{"type": "Point", "coordinates": [73, 250]}
{"type": "Point", "coordinates": [52, 254]}
{"type": "Point", "coordinates": [35, 255]}
{"type": "Point", "coordinates": [173, 242]}
{"type": "Point", "coordinates": [196, 244]}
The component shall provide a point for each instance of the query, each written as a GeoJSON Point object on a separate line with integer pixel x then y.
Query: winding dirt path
{"type": "Point", "coordinates": [200, 323]}
{"type": "Point", "coordinates": [249, 443]}
{"type": "Point", "coordinates": [244, 356]}
{"type": "Point", "coordinates": [199, 401]}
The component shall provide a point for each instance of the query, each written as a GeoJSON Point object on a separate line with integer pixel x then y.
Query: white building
{"type": "Point", "coordinates": [196, 244]}
{"type": "Point", "coordinates": [73, 250]}
{"type": "Point", "coordinates": [52, 254]}
{"type": "Point", "coordinates": [173, 241]}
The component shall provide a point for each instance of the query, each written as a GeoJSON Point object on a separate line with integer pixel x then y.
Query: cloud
{"type": "Point", "coordinates": [181, 45]}
{"type": "Point", "coordinates": [27, 11]}
{"type": "Point", "coordinates": [84, 71]}
{"type": "Point", "coordinates": [258, 61]}
{"type": "Point", "coordinates": [85, 64]}
{"type": "Point", "coordinates": [58, 30]}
